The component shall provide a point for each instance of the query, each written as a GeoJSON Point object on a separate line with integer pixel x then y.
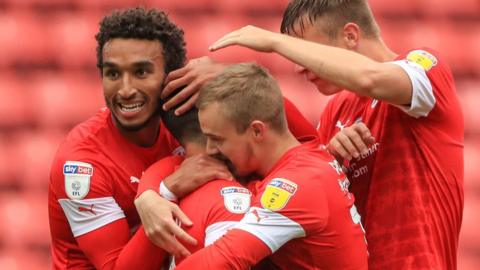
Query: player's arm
{"type": "Point", "coordinates": [157, 214]}
{"type": "Point", "coordinates": [95, 218]}
{"type": "Point", "coordinates": [110, 247]}
{"type": "Point", "coordinates": [300, 127]}
{"type": "Point", "coordinates": [351, 142]}
{"type": "Point", "coordinates": [237, 249]}
{"type": "Point", "coordinates": [344, 68]}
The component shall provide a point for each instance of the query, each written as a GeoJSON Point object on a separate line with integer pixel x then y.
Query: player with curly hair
{"type": "Point", "coordinates": [96, 171]}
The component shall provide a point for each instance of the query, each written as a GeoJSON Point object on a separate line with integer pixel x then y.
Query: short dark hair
{"type": "Point", "coordinates": [337, 13]}
{"type": "Point", "coordinates": [185, 127]}
{"type": "Point", "coordinates": [139, 23]}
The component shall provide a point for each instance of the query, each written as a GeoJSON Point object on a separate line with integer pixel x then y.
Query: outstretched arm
{"type": "Point", "coordinates": [344, 68]}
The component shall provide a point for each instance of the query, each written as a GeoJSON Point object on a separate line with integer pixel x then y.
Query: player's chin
{"type": "Point", "coordinates": [132, 125]}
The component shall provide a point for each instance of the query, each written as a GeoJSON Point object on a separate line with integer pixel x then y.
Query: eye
{"type": "Point", "coordinates": [111, 74]}
{"type": "Point", "coordinates": [141, 73]}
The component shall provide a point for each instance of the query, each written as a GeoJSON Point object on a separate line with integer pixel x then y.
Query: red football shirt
{"type": "Point", "coordinates": [302, 213]}
{"type": "Point", "coordinates": [93, 182]}
{"type": "Point", "coordinates": [409, 187]}
{"type": "Point", "coordinates": [214, 208]}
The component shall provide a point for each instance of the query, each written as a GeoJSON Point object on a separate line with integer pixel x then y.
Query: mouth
{"type": "Point", "coordinates": [132, 107]}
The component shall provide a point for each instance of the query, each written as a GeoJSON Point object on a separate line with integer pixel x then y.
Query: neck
{"type": "Point", "coordinates": [273, 151]}
{"type": "Point", "coordinates": [146, 136]}
{"type": "Point", "coordinates": [376, 49]}
{"type": "Point", "coordinates": [193, 148]}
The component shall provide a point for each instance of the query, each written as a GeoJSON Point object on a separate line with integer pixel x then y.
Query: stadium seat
{"type": "Point", "coordinates": [35, 150]}
{"type": "Point", "coordinates": [444, 8]}
{"type": "Point", "coordinates": [25, 218]}
{"type": "Point", "coordinates": [25, 258]}
{"type": "Point", "coordinates": [23, 41]}
{"type": "Point", "coordinates": [66, 99]}
{"type": "Point", "coordinates": [400, 8]}
{"type": "Point", "coordinates": [73, 38]}
{"type": "Point", "coordinates": [254, 7]}
{"type": "Point", "coordinates": [15, 104]}
{"type": "Point", "coordinates": [469, 95]}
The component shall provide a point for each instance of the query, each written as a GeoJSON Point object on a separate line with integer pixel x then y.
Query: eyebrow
{"type": "Point", "coordinates": [212, 135]}
{"type": "Point", "coordinates": [141, 63]}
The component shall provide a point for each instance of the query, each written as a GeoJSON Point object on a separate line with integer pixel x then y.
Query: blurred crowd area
{"type": "Point", "coordinates": [49, 83]}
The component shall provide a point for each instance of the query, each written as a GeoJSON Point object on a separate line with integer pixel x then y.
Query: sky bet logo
{"type": "Point", "coordinates": [77, 169]}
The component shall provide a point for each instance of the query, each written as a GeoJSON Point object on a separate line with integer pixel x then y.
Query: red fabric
{"type": "Point", "coordinates": [117, 164]}
{"type": "Point", "coordinates": [300, 127]}
{"type": "Point", "coordinates": [111, 247]}
{"type": "Point", "coordinates": [156, 173]}
{"type": "Point", "coordinates": [409, 188]}
{"type": "Point", "coordinates": [236, 250]}
{"type": "Point", "coordinates": [319, 206]}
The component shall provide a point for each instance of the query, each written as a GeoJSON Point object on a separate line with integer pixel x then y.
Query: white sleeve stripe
{"type": "Point", "coordinates": [87, 215]}
{"type": "Point", "coordinates": [217, 230]}
{"type": "Point", "coordinates": [273, 228]}
{"type": "Point", "coordinates": [423, 99]}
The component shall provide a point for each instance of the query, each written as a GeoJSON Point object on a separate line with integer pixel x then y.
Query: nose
{"type": "Point", "coordinates": [211, 148]}
{"type": "Point", "coordinates": [299, 69]}
{"type": "Point", "coordinates": [127, 90]}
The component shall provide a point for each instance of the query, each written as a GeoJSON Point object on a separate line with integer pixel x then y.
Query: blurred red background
{"type": "Point", "coordinates": [49, 83]}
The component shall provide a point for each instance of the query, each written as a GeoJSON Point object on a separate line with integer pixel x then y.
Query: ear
{"type": "Point", "coordinates": [351, 35]}
{"type": "Point", "coordinates": [257, 130]}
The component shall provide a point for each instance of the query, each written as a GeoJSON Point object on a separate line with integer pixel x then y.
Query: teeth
{"type": "Point", "coordinates": [131, 107]}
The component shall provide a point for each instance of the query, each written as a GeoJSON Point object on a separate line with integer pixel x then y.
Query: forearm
{"type": "Point", "coordinates": [236, 250]}
{"type": "Point", "coordinates": [340, 66]}
{"type": "Point", "coordinates": [139, 254]}
{"type": "Point", "coordinates": [347, 69]}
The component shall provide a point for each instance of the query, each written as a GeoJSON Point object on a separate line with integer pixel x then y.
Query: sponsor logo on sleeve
{"type": "Point", "coordinates": [77, 179]}
{"type": "Point", "coordinates": [423, 58]}
{"type": "Point", "coordinates": [277, 194]}
{"type": "Point", "coordinates": [236, 199]}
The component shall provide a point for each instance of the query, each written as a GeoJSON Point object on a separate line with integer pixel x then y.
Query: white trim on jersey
{"type": "Point", "coordinates": [273, 228]}
{"type": "Point", "coordinates": [87, 215]}
{"type": "Point", "coordinates": [217, 230]}
{"type": "Point", "coordinates": [423, 99]}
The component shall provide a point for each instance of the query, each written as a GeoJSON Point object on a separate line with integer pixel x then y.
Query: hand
{"type": "Point", "coordinates": [194, 172]}
{"type": "Point", "coordinates": [249, 36]}
{"type": "Point", "coordinates": [158, 218]}
{"type": "Point", "coordinates": [194, 75]}
{"type": "Point", "coordinates": [351, 141]}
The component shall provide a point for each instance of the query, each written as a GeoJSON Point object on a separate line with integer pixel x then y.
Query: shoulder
{"type": "Point", "coordinates": [218, 196]}
{"type": "Point", "coordinates": [164, 166]}
{"type": "Point", "coordinates": [79, 155]}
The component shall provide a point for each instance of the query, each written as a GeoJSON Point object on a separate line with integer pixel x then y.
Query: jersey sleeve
{"type": "Point", "coordinates": [156, 173]}
{"type": "Point", "coordinates": [223, 204]}
{"type": "Point", "coordinates": [82, 188]}
{"type": "Point", "coordinates": [432, 82]}
{"type": "Point", "coordinates": [300, 127]}
{"type": "Point", "coordinates": [282, 210]}
{"type": "Point", "coordinates": [120, 252]}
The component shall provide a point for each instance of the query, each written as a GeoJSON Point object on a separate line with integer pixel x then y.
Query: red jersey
{"type": "Point", "coordinates": [302, 213]}
{"type": "Point", "coordinates": [93, 182]}
{"type": "Point", "coordinates": [214, 208]}
{"type": "Point", "coordinates": [409, 187]}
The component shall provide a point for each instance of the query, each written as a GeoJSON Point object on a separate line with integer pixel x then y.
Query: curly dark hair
{"type": "Point", "coordinates": [139, 23]}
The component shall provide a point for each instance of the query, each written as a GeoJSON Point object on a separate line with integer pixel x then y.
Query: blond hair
{"type": "Point", "coordinates": [246, 92]}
